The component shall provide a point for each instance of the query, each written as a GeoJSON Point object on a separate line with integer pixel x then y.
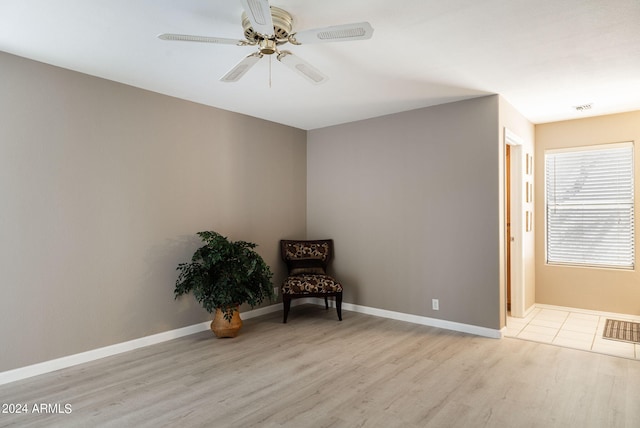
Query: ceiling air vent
{"type": "Point", "coordinates": [583, 107]}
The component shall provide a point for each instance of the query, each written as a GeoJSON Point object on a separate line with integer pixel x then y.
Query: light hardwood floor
{"type": "Point", "coordinates": [317, 372]}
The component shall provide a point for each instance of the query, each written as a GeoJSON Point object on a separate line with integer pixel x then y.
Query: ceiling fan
{"type": "Point", "coordinates": [268, 28]}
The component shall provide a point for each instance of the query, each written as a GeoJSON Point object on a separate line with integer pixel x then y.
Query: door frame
{"type": "Point", "coordinates": [517, 223]}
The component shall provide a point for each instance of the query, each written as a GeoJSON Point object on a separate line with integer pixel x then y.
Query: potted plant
{"type": "Point", "coordinates": [222, 275]}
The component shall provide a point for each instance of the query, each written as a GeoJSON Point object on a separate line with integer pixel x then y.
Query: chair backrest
{"type": "Point", "coordinates": [307, 257]}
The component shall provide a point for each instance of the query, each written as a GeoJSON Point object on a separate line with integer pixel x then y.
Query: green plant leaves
{"type": "Point", "coordinates": [224, 274]}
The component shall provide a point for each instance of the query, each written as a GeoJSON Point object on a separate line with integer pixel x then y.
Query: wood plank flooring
{"type": "Point", "coordinates": [317, 372]}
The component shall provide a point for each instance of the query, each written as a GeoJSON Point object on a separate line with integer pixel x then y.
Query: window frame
{"type": "Point", "coordinates": [591, 264]}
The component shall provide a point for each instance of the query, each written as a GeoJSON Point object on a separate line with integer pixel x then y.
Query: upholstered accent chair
{"type": "Point", "coordinates": [307, 263]}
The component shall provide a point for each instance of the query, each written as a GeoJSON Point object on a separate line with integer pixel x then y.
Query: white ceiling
{"type": "Point", "coordinates": [542, 56]}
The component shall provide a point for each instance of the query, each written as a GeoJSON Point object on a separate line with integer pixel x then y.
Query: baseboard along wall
{"type": "Point", "coordinates": [107, 351]}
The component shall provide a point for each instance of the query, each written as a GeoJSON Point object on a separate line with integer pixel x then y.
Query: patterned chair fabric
{"type": "Point", "coordinates": [307, 263]}
{"type": "Point", "coordinates": [305, 283]}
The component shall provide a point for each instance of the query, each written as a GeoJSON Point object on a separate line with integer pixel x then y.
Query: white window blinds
{"type": "Point", "coordinates": [589, 206]}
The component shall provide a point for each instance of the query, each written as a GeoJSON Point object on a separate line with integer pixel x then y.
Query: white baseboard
{"type": "Point", "coordinates": [416, 319]}
{"type": "Point", "coordinates": [118, 348]}
{"type": "Point", "coordinates": [432, 322]}
{"type": "Point", "coordinates": [107, 351]}
{"type": "Point", "coordinates": [528, 311]}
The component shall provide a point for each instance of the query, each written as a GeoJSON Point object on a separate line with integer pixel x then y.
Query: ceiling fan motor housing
{"type": "Point", "coordinates": [282, 24]}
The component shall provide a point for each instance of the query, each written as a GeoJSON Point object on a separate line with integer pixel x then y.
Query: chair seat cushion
{"type": "Point", "coordinates": [302, 284]}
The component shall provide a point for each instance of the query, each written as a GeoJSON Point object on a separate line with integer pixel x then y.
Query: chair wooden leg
{"type": "Point", "coordinates": [339, 305]}
{"type": "Point", "coordinates": [326, 302]}
{"type": "Point", "coordinates": [286, 301]}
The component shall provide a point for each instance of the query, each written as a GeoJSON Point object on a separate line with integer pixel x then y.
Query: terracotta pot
{"type": "Point", "coordinates": [222, 327]}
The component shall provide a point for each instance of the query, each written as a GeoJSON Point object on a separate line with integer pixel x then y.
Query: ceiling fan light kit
{"type": "Point", "coordinates": [269, 27]}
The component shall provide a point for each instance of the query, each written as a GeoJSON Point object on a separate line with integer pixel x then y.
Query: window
{"type": "Point", "coordinates": [589, 206]}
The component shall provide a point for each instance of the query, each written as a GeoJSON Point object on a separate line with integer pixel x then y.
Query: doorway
{"type": "Point", "coordinates": [508, 221]}
{"type": "Point", "coordinates": [514, 224]}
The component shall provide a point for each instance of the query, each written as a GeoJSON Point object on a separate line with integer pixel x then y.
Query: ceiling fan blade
{"type": "Point", "coordinates": [336, 33]}
{"type": "Point", "coordinates": [241, 68]}
{"type": "Point", "coordinates": [302, 67]}
{"type": "Point", "coordinates": [259, 14]}
{"type": "Point", "coordinates": [202, 39]}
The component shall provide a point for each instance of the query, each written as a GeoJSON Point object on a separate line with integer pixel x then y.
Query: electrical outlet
{"type": "Point", "coordinates": [435, 304]}
{"type": "Point", "coordinates": [275, 291]}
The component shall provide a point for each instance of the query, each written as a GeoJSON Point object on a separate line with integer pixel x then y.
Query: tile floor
{"type": "Point", "coordinates": [572, 328]}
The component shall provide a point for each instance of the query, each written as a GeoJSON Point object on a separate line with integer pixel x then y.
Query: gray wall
{"type": "Point", "coordinates": [413, 203]}
{"type": "Point", "coordinates": [102, 188]}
